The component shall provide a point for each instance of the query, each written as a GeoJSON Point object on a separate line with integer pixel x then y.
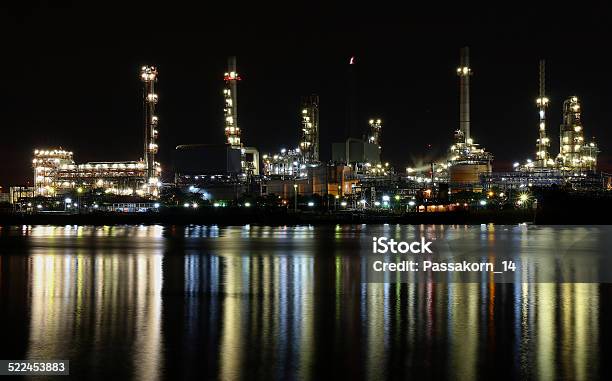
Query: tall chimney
{"type": "Point", "coordinates": [464, 72]}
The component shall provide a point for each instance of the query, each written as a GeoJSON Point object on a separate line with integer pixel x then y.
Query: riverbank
{"type": "Point", "coordinates": [282, 217]}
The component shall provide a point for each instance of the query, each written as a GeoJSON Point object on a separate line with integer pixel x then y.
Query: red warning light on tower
{"type": "Point", "coordinates": [231, 76]}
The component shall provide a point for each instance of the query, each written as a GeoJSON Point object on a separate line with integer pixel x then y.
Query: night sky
{"type": "Point", "coordinates": [70, 76]}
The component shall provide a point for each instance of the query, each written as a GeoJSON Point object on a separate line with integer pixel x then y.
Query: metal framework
{"type": "Point", "coordinates": [375, 132]}
{"type": "Point", "coordinates": [148, 75]}
{"type": "Point", "coordinates": [46, 164]}
{"type": "Point", "coordinates": [574, 153]}
{"type": "Point", "coordinates": [285, 164]}
{"type": "Point", "coordinates": [309, 142]}
{"type": "Point", "coordinates": [55, 171]}
{"type": "Point", "coordinates": [544, 178]}
{"type": "Point", "coordinates": [230, 110]}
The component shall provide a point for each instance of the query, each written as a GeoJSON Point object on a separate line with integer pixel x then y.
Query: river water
{"type": "Point", "coordinates": [259, 302]}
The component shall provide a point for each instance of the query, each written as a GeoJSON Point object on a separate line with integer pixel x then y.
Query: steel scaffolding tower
{"type": "Point", "coordinates": [309, 142]}
{"type": "Point", "coordinates": [148, 75]}
{"type": "Point", "coordinates": [574, 153]}
{"type": "Point", "coordinates": [230, 110]}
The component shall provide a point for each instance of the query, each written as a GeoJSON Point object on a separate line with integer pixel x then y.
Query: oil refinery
{"type": "Point", "coordinates": [355, 177]}
{"type": "Point", "coordinates": [55, 172]}
{"type": "Point", "coordinates": [575, 166]}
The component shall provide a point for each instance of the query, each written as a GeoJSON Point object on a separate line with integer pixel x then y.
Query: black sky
{"type": "Point", "coordinates": [70, 75]}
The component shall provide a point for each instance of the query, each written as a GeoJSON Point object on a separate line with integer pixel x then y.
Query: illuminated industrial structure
{"type": "Point", "coordinates": [575, 156]}
{"type": "Point", "coordinates": [543, 158]}
{"type": "Point", "coordinates": [574, 153]}
{"type": "Point", "coordinates": [467, 161]}
{"type": "Point", "coordinates": [230, 109]}
{"type": "Point", "coordinates": [56, 173]}
{"type": "Point", "coordinates": [294, 162]}
{"type": "Point", "coordinates": [309, 142]}
{"type": "Point", "coordinates": [576, 163]}
{"type": "Point", "coordinates": [286, 163]}
{"type": "Point", "coordinates": [375, 132]}
{"type": "Point", "coordinates": [249, 155]}
{"type": "Point", "coordinates": [46, 164]}
{"type": "Point", "coordinates": [148, 75]}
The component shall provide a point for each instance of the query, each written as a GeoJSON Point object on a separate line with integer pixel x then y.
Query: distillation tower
{"type": "Point", "coordinates": [230, 110]}
{"type": "Point", "coordinates": [309, 142]}
{"type": "Point", "coordinates": [543, 158]}
{"type": "Point", "coordinates": [148, 75]}
{"type": "Point", "coordinates": [574, 153]}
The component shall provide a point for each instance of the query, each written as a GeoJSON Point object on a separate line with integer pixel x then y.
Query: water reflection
{"type": "Point", "coordinates": [98, 309]}
{"type": "Point", "coordinates": [254, 302]}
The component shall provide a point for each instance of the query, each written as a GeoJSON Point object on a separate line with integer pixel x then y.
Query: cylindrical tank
{"type": "Point", "coordinates": [467, 175]}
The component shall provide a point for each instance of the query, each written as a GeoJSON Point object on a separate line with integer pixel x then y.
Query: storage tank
{"type": "Point", "coordinates": [466, 176]}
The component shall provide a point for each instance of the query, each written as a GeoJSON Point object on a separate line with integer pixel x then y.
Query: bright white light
{"type": "Point", "coordinates": [483, 202]}
{"type": "Point", "coordinates": [39, 206]}
{"type": "Point", "coordinates": [186, 205]}
{"type": "Point", "coordinates": [310, 203]}
{"type": "Point", "coordinates": [195, 205]}
{"type": "Point", "coordinates": [216, 204]}
{"type": "Point", "coordinates": [385, 198]}
{"type": "Point", "coordinates": [515, 165]}
{"type": "Point", "coordinates": [343, 203]}
{"type": "Point", "coordinates": [247, 204]}
{"type": "Point", "coordinates": [156, 205]}
{"type": "Point", "coordinates": [411, 203]}
{"type": "Point", "coordinates": [95, 206]}
{"type": "Point", "coordinates": [377, 203]}
{"type": "Point", "coordinates": [68, 200]}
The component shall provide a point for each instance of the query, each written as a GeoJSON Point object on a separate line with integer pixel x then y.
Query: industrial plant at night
{"type": "Point", "coordinates": [355, 178]}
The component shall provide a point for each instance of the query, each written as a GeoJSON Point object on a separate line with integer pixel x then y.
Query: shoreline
{"type": "Point", "coordinates": [276, 218]}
